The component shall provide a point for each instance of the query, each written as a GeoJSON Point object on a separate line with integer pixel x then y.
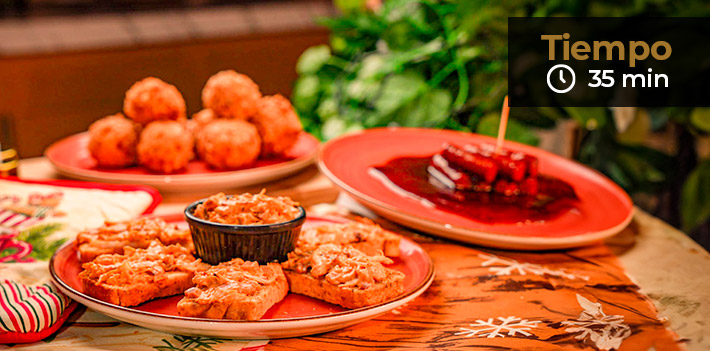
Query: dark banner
{"type": "Point", "coordinates": [649, 62]}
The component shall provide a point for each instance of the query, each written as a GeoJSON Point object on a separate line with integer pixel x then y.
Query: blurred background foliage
{"type": "Point", "coordinates": [444, 64]}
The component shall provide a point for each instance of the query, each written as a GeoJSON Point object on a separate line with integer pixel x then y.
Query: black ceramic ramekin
{"type": "Point", "coordinates": [217, 242]}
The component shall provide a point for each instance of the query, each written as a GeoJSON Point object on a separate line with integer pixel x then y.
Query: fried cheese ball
{"type": "Point", "coordinates": [277, 123]}
{"type": "Point", "coordinates": [151, 99]}
{"type": "Point", "coordinates": [231, 95]}
{"type": "Point", "coordinates": [228, 144]}
{"type": "Point", "coordinates": [165, 147]}
{"type": "Point", "coordinates": [200, 120]}
{"type": "Point", "coordinates": [113, 140]}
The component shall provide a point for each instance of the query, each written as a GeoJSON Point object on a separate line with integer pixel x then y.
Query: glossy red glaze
{"type": "Point", "coordinates": [602, 204]}
{"type": "Point", "coordinates": [410, 174]}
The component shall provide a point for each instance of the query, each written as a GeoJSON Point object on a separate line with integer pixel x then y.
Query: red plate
{"type": "Point", "coordinates": [70, 157]}
{"type": "Point", "coordinates": [294, 316]}
{"type": "Point", "coordinates": [603, 209]}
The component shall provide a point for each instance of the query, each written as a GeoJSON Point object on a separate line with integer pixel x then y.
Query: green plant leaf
{"type": "Point", "coordinates": [349, 6]}
{"type": "Point", "coordinates": [398, 90]}
{"type": "Point", "coordinates": [328, 108]}
{"type": "Point", "coordinates": [418, 52]}
{"type": "Point", "coordinates": [338, 44]}
{"type": "Point", "coordinates": [639, 170]}
{"type": "Point", "coordinates": [700, 118]}
{"type": "Point", "coordinates": [376, 119]}
{"type": "Point", "coordinates": [395, 10]}
{"type": "Point", "coordinates": [313, 59]}
{"type": "Point", "coordinates": [429, 110]}
{"type": "Point", "coordinates": [437, 105]}
{"type": "Point", "coordinates": [334, 127]}
{"type": "Point", "coordinates": [362, 89]}
{"type": "Point", "coordinates": [617, 174]}
{"type": "Point", "coordinates": [373, 67]}
{"type": "Point", "coordinates": [354, 127]}
{"type": "Point", "coordinates": [590, 118]}
{"type": "Point", "coordinates": [515, 131]}
{"type": "Point", "coordinates": [466, 54]}
{"type": "Point", "coordinates": [305, 93]}
{"type": "Point", "coordinates": [695, 200]}
{"type": "Point", "coordinates": [397, 36]}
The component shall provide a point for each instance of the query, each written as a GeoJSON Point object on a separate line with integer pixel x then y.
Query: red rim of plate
{"type": "Point", "coordinates": [428, 277]}
{"type": "Point", "coordinates": [84, 173]}
{"type": "Point", "coordinates": [500, 239]}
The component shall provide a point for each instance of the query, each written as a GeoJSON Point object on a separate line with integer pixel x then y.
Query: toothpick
{"type": "Point", "coordinates": [503, 125]}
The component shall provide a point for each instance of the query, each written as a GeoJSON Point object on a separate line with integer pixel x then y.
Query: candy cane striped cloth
{"type": "Point", "coordinates": [11, 219]}
{"type": "Point", "coordinates": [26, 311]}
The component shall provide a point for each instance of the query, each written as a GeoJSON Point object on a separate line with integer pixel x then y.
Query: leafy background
{"type": "Point", "coordinates": [444, 64]}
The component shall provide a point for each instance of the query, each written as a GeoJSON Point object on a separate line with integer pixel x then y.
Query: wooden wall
{"type": "Point", "coordinates": [52, 96]}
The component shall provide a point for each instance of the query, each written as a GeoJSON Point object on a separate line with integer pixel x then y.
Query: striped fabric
{"type": "Point", "coordinates": [27, 309]}
{"type": "Point", "coordinates": [10, 219]}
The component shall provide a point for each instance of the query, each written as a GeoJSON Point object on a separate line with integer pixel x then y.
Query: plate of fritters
{"type": "Point", "coordinates": [239, 138]}
{"type": "Point", "coordinates": [341, 273]}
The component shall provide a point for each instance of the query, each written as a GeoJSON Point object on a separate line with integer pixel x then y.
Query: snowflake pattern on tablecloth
{"type": "Point", "coordinates": [509, 266]}
{"type": "Point", "coordinates": [490, 328]}
{"type": "Point", "coordinates": [606, 332]}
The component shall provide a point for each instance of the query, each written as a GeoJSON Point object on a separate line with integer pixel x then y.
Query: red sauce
{"type": "Point", "coordinates": [410, 174]}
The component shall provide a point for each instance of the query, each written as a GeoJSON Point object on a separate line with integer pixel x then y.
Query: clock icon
{"type": "Point", "coordinates": [561, 76]}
